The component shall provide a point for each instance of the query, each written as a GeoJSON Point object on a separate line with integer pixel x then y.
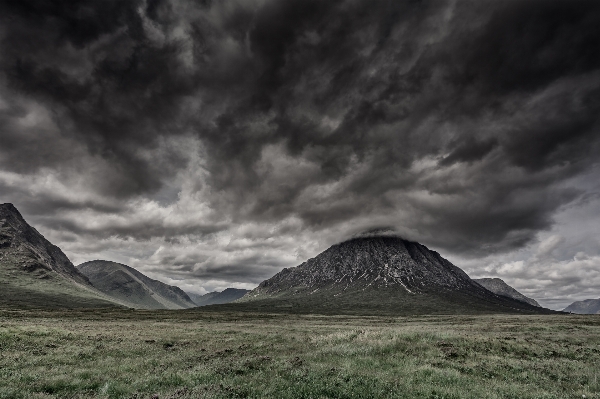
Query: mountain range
{"type": "Point", "coordinates": [377, 272]}
{"type": "Point", "coordinates": [36, 273]}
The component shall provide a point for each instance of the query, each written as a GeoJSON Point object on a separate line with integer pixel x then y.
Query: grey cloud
{"type": "Point", "coordinates": [558, 282]}
{"type": "Point", "coordinates": [240, 267]}
{"type": "Point", "coordinates": [461, 123]}
{"type": "Point", "coordinates": [471, 151]}
{"type": "Point", "coordinates": [45, 203]}
{"type": "Point", "coordinates": [143, 230]}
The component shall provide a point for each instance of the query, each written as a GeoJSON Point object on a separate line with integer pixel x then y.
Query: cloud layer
{"type": "Point", "coordinates": [223, 140]}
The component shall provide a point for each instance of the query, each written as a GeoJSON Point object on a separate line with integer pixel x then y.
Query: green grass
{"type": "Point", "coordinates": [174, 354]}
{"type": "Point", "coordinates": [25, 283]}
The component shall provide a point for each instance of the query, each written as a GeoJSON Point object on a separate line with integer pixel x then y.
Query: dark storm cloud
{"type": "Point", "coordinates": [106, 85]}
{"type": "Point", "coordinates": [460, 119]}
{"type": "Point", "coordinates": [253, 268]}
{"type": "Point", "coordinates": [141, 230]}
{"type": "Point", "coordinates": [470, 150]}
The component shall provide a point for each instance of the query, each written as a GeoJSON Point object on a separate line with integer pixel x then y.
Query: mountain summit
{"type": "Point", "coordinates": [33, 272]}
{"type": "Point", "coordinates": [373, 261]}
{"type": "Point", "coordinates": [382, 272]}
{"type": "Point", "coordinates": [32, 252]}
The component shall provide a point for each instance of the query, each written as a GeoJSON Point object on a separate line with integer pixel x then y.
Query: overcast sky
{"type": "Point", "coordinates": [209, 144]}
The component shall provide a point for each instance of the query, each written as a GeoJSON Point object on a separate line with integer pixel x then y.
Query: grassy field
{"type": "Point", "coordinates": [199, 354]}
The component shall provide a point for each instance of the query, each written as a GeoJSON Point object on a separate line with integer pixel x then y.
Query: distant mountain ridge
{"type": "Point", "coordinates": [216, 298]}
{"type": "Point", "coordinates": [134, 289]}
{"type": "Point", "coordinates": [498, 286]}
{"type": "Point", "coordinates": [34, 272]}
{"type": "Point", "coordinates": [587, 306]}
{"type": "Point", "coordinates": [200, 299]}
{"type": "Point", "coordinates": [380, 272]}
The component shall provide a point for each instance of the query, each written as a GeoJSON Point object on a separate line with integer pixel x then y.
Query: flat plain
{"type": "Point", "coordinates": [115, 353]}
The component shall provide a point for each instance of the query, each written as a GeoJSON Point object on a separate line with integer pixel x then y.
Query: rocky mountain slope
{"type": "Point", "coordinates": [379, 274]}
{"type": "Point", "coordinates": [215, 298]}
{"type": "Point", "coordinates": [33, 272]}
{"type": "Point", "coordinates": [498, 286]}
{"type": "Point", "coordinates": [587, 306]}
{"type": "Point", "coordinates": [134, 289]}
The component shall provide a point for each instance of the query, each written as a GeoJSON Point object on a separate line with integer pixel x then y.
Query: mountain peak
{"type": "Point", "coordinates": [373, 260]}
{"type": "Point", "coordinates": [30, 249]}
{"type": "Point", "coordinates": [32, 267]}
{"type": "Point", "coordinates": [8, 209]}
{"type": "Point", "coordinates": [379, 269]}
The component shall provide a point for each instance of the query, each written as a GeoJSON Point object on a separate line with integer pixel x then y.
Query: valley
{"type": "Point", "coordinates": [371, 317]}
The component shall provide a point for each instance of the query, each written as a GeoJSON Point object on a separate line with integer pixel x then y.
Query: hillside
{"type": "Point", "coordinates": [498, 286]}
{"type": "Point", "coordinates": [129, 286]}
{"type": "Point", "coordinates": [587, 306]}
{"type": "Point", "coordinates": [36, 273]}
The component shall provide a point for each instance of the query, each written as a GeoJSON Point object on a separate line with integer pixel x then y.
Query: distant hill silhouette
{"type": "Point", "coordinates": [587, 306]}
{"type": "Point", "coordinates": [215, 298]}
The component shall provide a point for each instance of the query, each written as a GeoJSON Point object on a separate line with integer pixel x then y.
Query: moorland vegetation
{"type": "Point", "coordinates": [116, 353]}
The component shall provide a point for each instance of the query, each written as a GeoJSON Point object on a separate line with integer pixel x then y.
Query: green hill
{"type": "Point", "coordinates": [35, 273]}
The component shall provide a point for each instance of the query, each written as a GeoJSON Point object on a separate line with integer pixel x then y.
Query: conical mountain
{"type": "Point", "coordinates": [498, 286]}
{"type": "Point", "coordinates": [33, 272]}
{"type": "Point", "coordinates": [379, 273]}
{"type": "Point", "coordinates": [127, 285]}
